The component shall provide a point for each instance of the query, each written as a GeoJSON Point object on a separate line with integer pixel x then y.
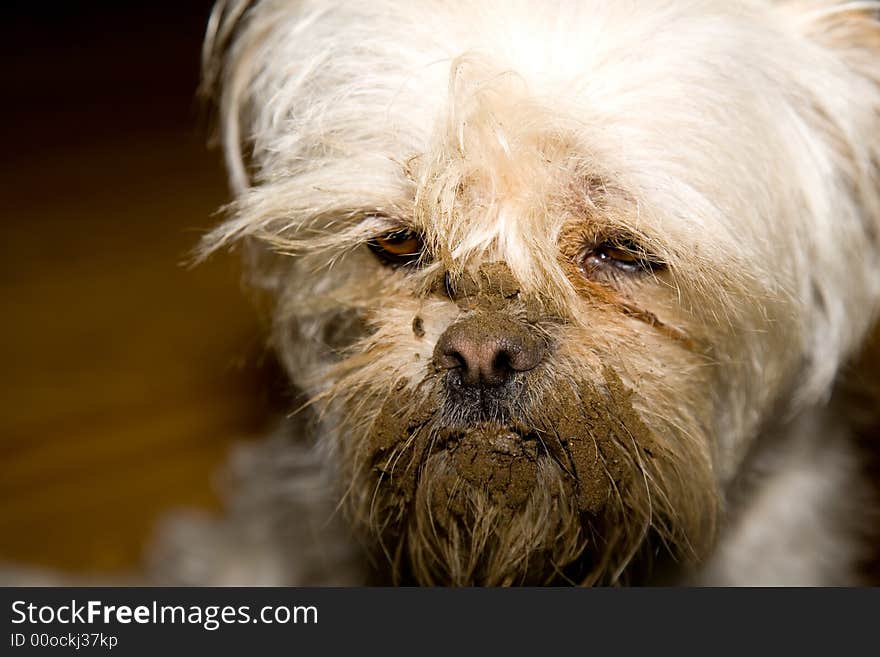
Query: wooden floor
{"type": "Point", "coordinates": [126, 376]}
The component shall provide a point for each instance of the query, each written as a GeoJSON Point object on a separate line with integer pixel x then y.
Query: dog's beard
{"type": "Point", "coordinates": [570, 492]}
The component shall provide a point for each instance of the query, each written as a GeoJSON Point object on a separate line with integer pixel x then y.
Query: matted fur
{"type": "Point", "coordinates": [737, 142]}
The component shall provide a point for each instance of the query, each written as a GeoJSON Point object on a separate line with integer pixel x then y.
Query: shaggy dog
{"type": "Point", "coordinates": [567, 287]}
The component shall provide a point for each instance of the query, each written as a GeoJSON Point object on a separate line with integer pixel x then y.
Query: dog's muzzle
{"type": "Point", "coordinates": [484, 357]}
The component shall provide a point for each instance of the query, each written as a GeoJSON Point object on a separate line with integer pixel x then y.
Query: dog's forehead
{"type": "Point", "coordinates": [527, 97]}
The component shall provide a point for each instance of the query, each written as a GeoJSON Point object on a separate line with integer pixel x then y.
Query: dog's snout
{"type": "Point", "coordinates": [489, 363]}
{"type": "Point", "coordinates": [488, 350]}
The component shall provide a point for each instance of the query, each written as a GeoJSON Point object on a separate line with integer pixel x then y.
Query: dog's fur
{"type": "Point", "coordinates": [678, 426]}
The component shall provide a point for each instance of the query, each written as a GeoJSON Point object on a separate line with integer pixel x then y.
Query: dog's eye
{"type": "Point", "coordinates": [398, 247]}
{"type": "Point", "coordinates": [622, 255]}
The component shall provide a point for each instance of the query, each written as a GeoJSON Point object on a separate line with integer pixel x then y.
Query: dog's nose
{"type": "Point", "coordinates": [488, 349]}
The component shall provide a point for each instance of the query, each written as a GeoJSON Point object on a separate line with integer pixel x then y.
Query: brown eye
{"type": "Point", "coordinates": [398, 247]}
{"type": "Point", "coordinates": [621, 255]}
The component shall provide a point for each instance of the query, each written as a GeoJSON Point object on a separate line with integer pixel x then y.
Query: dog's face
{"type": "Point", "coordinates": [547, 269]}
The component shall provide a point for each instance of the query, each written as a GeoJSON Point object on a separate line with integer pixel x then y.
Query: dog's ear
{"type": "Point", "coordinates": [843, 77]}
{"type": "Point", "coordinates": [849, 28]}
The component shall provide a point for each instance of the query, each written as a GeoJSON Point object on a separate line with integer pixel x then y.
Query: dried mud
{"type": "Point", "coordinates": [493, 460]}
{"type": "Point", "coordinates": [591, 433]}
{"type": "Point", "coordinates": [603, 438]}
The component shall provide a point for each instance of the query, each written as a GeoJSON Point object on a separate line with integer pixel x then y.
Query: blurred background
{"type": "Point", "coordinates": [126, 375]}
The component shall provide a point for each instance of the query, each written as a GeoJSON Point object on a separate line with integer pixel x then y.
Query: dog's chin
{"type": "Point", "coordinates": [500, 461]}
{"type": "Point", "coordinates": [560, 498]}
{"type": "Point", "coordinates": [493, 507]}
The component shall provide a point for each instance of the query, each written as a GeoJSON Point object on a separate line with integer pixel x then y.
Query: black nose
{"type": "Point", "coordinates": [488, 349]}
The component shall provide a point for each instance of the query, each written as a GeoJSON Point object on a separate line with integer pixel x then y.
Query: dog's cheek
{"type": "Point", "coordinates": [405, 333]}
{"type": "Point", "coordinates": [322, 319]}
{"type": "Point", "coordinates": [703, 369]}
{"type": "Point", "coordinates": [672, 386]}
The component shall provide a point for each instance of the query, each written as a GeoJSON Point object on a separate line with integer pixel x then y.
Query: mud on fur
{"type": "Point", "coordinates": [565, 487]}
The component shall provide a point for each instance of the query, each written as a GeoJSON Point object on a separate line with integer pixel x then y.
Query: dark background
{"type": "Point", "coordinates": [126, 376]}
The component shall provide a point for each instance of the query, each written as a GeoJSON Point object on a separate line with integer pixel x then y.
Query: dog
{"type": "Point", "coordinates": [569, 288]}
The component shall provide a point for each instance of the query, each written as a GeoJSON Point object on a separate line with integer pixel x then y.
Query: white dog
{"type": "Point", "coordinates": [568, 285]}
